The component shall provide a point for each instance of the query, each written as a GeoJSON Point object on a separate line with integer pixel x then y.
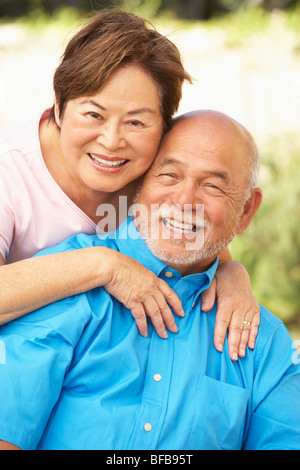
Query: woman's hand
{"type": "Point", "coordinates": [142, 292]}
{"type": "Point", "coordinates": [238, 310]}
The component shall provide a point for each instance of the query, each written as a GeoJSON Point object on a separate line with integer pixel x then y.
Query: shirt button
{"type": "Point", "coordinates": [157, 377]}
{"type": "Point", "coordinates": [168, 274]}
{"type": "Point", "coordinates": [147, 427]}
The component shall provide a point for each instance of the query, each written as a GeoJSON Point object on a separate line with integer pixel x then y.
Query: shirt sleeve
{"type": "Point", "coordinates": [275, 419]}
{"type": "Point", "coordinates": [37, 352]}
{"type": "Point", "coordinates": [75, 242]}
{"type": "Point", "coordinates": [6, 228]}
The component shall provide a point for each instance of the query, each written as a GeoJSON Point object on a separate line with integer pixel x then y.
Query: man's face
{"type": "Point", "coordinates": [200, 165]}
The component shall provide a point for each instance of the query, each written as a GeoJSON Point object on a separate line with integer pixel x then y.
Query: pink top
{"type": "Point", "coordinates": [34, 211]}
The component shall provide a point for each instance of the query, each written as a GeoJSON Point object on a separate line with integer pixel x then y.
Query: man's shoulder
{"type": "Point", "coordinates": [268, 321]}
{"type": "Point", "coordinates": [79, 241]}
{"type": "Point", "coordinates": [272, 330]}
{"type": "Point", "coordinates": [58, 323]}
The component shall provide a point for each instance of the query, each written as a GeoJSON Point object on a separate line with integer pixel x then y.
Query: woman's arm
{"type": "Point", "coordinates": [7, 445]}
{"type": "Point", "coordinates": [238, 310]}
{"type": "Point", "coordinates": [225, 255]}
{"type": "Point", "coordinates": [33, 283]}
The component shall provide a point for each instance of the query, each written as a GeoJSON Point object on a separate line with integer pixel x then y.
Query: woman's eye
{"type": "Point", "coordinates": [94, 115]}
{"type": "Point", "coordinates": [135, 123]}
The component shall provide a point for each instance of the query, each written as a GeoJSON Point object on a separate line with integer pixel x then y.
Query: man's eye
{"type": "Point", "coordinates": [213, 188]}
{"type": "Point", "coordinates": [169, 177]}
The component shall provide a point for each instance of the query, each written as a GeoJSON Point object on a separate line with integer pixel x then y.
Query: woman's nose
{"type": "Point", "coordinates": [110, 137]}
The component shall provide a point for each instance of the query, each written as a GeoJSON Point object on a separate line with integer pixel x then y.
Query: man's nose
{"type": "Point", "coordinates": [186, 194]}
{"type": "Point", "coordinates": [110, 136]}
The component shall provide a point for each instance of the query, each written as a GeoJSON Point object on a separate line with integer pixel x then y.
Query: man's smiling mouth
{"type": "Point", "coordinates": [181, 227]}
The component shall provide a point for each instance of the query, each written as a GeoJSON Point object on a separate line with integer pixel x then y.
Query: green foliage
{"type": "Point", "coordinates": [188, 9]}
{"type": "Point", "coordinates": [270, 248]}
{"type": "Point", "coordinates": [38, 21]}
{"type": "Point", "coordinates": [293, 18]}
{"type": "Point", "coordinates": [242, 24]}
{"type": "Point", "coordinates": [145, 8]}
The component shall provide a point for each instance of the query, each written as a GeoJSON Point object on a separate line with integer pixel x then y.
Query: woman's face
{"type": "Point", "coordinates": [110, 139]}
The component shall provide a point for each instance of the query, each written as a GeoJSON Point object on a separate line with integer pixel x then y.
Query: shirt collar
{"type": "Point", "coordinates": [130, 243]}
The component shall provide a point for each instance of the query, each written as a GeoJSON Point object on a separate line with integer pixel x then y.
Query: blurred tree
{"type": "Point", "coordinates": [52, 5]}
{"type": "Point", "coordinates": [206, 9]}
{"type": "Point", "coordinates": [190, 9]}
{"type": "Point", "coordinates": [13, 8]}
{"type": "Point", "coordinates": [270, 247]}
{"type": "Point", "coordinates": [16, 8]}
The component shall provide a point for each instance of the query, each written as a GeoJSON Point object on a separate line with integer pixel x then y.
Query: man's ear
{"type": "Point", "coordinates": [250, 208]}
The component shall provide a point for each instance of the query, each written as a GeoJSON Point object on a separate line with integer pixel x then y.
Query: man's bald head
{"type": "Point", "coordinates": [207, 123]}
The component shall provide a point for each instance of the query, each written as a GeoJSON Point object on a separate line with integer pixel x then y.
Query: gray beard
{"type": "Point", "coordinates": [209, 247]}
{"type": "Point", "coordinates": [209, 250]}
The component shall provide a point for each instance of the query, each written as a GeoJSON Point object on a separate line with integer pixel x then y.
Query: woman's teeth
{"type": "Point", "coordinates": [108, 163]}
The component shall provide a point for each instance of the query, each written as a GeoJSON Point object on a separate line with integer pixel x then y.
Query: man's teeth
{"type": "Point", "coordinates": [107, 163]}
{"type": "Point", "coordinates": [179, 226]}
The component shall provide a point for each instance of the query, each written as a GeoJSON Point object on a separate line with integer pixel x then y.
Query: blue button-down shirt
{"type": "Point", "coordinates": [79, 376]}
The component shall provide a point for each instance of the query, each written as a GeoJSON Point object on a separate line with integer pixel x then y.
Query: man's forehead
{"type": "Point", "coordinates": [203, 135]}
{"type": "Point", "coordinates": [168, 160]}
{"type": "Point", "coordinates": [209, 172]}
{"type": "Point", "coordinates": [192, 127]}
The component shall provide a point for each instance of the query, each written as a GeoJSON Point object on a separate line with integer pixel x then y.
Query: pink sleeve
{"type": "Point", "coordinates": [6, 229]}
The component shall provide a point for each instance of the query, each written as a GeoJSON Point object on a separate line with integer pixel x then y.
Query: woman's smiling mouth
{"type": "Point", "coordinates": [108, 163]}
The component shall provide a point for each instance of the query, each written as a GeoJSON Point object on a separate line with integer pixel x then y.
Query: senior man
{"type": "Point", "coordinates": [79, 376]}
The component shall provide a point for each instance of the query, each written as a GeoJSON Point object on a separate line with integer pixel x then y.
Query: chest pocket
{"type": "Point", "coordinates": [219, 418]}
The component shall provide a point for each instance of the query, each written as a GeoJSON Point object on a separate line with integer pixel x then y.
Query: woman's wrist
{"type": "Point", "coordinates": [233, 267]}
{"type": "Point", "coordinates": [105, 263]}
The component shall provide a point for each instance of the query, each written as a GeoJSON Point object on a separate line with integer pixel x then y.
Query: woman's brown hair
{"type": "Point", "coordinates": [112, 39]}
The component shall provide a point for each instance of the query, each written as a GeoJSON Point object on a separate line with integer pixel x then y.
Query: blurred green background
{"type": "Point", "coordinates": [245, 58]}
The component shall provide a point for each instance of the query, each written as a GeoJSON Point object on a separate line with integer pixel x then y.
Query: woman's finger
{"type": "Point", "coordinates": [208, 296]}
{"type": "Point", "coordinates": [140, 317]}
{"type": "Point", "coordinates": [223, 318]}
{"type": "Point", "coordinates": [235, 334]}
{"type": "Point", "coordinates": [172, 298]}
{"type": "Point", "coordinates": [246, 327]}
{"type": "Point", "coordinates": [254, 329]}
{"type": "Point", "coordinates": [167, 315]}
{"type": "Point", "coordinates": [154, 312]}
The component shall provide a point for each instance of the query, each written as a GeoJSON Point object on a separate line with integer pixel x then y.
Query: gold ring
{"type": "Point", "coordinates": [247, 322]}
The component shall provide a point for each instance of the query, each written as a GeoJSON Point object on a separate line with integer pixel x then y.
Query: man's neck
{"type": "Point", "coordinates": [195, 268]}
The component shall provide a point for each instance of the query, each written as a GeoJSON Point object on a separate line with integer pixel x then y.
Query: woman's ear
{"type": "Point", "coordinates": [56, 113]}
{"type": "Point", "coordinates": [251, 207]}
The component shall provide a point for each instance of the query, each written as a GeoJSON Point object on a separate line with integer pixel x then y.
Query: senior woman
{"type": "Point", "coordinates": [116, 89]}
